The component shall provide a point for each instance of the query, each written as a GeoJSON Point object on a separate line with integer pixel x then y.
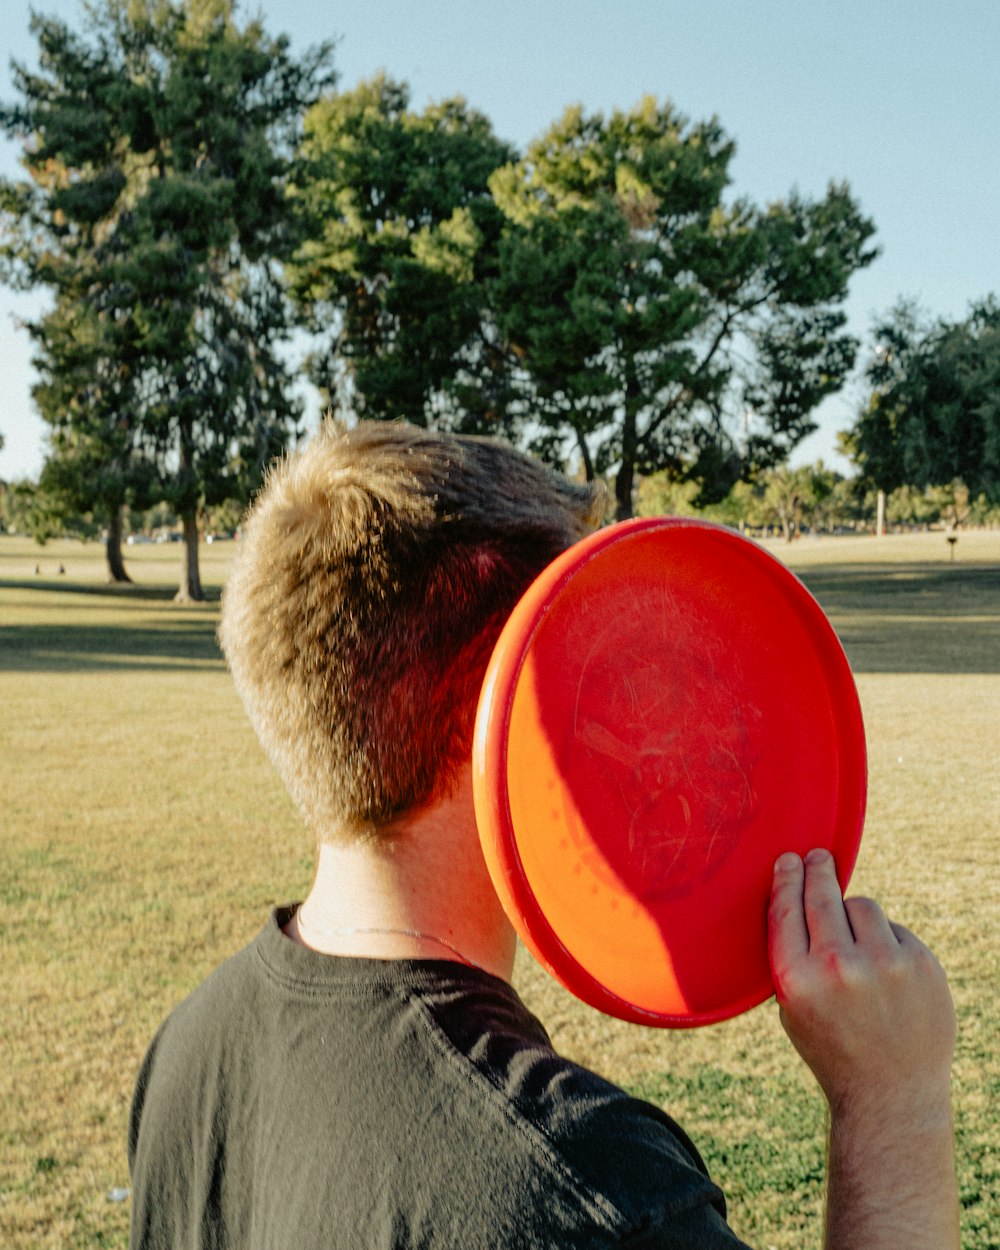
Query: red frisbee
{"type": "Point", "coordinates": [666, 711]}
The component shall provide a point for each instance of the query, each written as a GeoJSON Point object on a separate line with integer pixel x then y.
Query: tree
{"type": "Point", "coordinates": [83, 393]}
{"type": "Point", "coordinates": [657, 325]}
{"type": "Point", "coordinates": [157, 146]}
{"type": "Point", "coordinates": [56, 223]}
{"type": "Point", "coordinates": [793, 499]}
{"type": "Point", "coordinates": [398, 240]}
{"type": "Point", "coordinates": [932, 417]}
{"type": "Point", "coordinates": [663, 495]}
{"type": "Point", "coordinates": [849, 505]}
{"type": "Point", "coordinates": [17, 505]}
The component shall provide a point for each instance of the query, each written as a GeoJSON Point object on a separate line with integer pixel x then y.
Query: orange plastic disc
{"type": "Point", "coordinates": [666, 711]}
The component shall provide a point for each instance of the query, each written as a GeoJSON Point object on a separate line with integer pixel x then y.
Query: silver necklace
{"type": "Point", "coordinates": [412, 933]}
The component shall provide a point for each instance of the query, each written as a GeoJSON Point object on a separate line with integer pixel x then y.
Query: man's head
{"type": "Point", "coordinates": [373, 576]}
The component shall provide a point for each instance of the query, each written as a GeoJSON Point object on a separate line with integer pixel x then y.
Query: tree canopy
{"type": "Point", "coordinates": [659, 324]}
{"type": "Point", "coordinates": [602, 296]}
{"type": "Point", "coordinates": [398, 238]}
{"type": "Point", "coordinates": [932, 415]}
{"type": "Point", "coordinates": [156, 147]}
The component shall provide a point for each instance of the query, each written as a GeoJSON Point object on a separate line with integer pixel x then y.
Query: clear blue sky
{"type": "Point", "coordinates": [899, 97]}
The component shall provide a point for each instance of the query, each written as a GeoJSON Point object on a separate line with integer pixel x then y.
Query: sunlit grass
{"type": "Point", "coordinates": [144, 838]}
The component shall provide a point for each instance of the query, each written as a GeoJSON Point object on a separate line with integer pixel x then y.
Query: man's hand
{"type": "Point", "coordinates": [867, 1006]}
{"type": "Point", "coordinates": [864, 1002]}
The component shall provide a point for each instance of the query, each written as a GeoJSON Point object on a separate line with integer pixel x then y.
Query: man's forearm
{"type": "Point", "coordinates": [892, 1180]}
{"type": "Point", "coordinates": [867, 1006]}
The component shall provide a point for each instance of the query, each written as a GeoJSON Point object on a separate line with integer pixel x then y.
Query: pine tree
{"type": "Point", "coordinates": [157, 147]}
{"type": "Point", "coordinates": [658, 325]}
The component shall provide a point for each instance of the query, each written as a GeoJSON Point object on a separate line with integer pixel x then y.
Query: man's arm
{"type": "Point", "coordinates": [868, 1008]}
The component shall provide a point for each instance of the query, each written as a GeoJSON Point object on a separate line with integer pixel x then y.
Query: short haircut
{"type": "Point", "coordinates": [372, 578]}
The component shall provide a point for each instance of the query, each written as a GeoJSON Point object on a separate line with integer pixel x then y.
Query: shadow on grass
{"type": "Point", "coordinates": [82, 648]}
{"type": "Point", "coordinates": [913, 618]}
{"type": "Point", "coordinates": [162, 638]}
{"type": "Point", "coordinates": [121, 592]}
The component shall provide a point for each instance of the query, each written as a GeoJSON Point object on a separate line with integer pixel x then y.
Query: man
{"type": "Point", "coordinates": [363, 1074]}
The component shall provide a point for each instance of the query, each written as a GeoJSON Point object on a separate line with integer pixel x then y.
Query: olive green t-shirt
{"type": "Point", "coordinates": [303, 1100]}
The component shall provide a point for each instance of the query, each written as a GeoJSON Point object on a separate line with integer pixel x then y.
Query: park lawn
{"type": "Point", "coordinates": [143, 838]}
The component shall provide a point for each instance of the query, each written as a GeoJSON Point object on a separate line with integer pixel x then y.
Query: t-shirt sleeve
{"type": "Point", "coordinates": [157, 1194]}
{"type": "Point", "coordinates": [651, 1171]}
{"type": "Point", "coordinates": [626, 1171]}
{"type": "Point", "coordinates": [701, 1228]}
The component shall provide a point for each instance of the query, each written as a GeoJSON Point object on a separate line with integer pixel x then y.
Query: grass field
{"type": "Point", "coordinates": [143, 838]}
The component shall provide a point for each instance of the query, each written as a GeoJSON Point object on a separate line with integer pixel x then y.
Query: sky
{"type": "Point", "coordinates": [900, 98]}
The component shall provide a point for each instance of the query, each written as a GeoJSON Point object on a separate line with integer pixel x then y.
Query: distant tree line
{"type": "Point", "coordinates": [815, 499]}
{"type": "Point", "coordinates": [194, 196]}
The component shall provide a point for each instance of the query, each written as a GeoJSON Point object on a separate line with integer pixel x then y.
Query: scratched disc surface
{"type": "Point", "coordinates": [667, 710]}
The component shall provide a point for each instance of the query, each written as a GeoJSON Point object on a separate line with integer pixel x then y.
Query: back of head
{"type": "Point", "coordinates": [373, 576]}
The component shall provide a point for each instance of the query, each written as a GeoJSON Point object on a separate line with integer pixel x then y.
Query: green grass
{"type": "Point", "coordinates": [144, 837]}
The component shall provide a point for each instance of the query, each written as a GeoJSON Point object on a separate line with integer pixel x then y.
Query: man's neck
{"type": "Point", "coordinates": [420, 891]}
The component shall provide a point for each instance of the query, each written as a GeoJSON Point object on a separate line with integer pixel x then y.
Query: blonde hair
{"type": "Point", "coordinates": [373, 576]}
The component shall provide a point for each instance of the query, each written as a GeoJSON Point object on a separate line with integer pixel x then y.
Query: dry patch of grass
{"type": "Point", "coordinates": [144, 838]}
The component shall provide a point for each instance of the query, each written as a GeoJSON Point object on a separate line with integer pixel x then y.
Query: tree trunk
{"type": "Point", "coordinates": [625, 477]}
{"type": "Point", "coordinates": [588, 464]}
{"type": "Point", "coordinates": [190, 590]}
{"type": "Point", "coordinates": [113, 550]}
{"type": "Point", "coordinates": [624, 481]}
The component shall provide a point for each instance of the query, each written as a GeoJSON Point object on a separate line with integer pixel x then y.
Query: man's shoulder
{"type": "Point", "coordinates": [624, 1162]}
{"type": "Point", "coordinates": [206, 1021]}
{"type": "Point", "coordinates": [227, 991]}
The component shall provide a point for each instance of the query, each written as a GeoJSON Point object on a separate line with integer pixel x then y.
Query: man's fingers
{"type": "Point", "coordinates": [869, 923]}
{"type": "Point", "coordinates": [904, 937]}
{"type": "Point", "coordinates": [808, 914]}
{"type": "Point", "coordinates": [788, 937]}
{"type": "Point", "coordinates": [826, 917]}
